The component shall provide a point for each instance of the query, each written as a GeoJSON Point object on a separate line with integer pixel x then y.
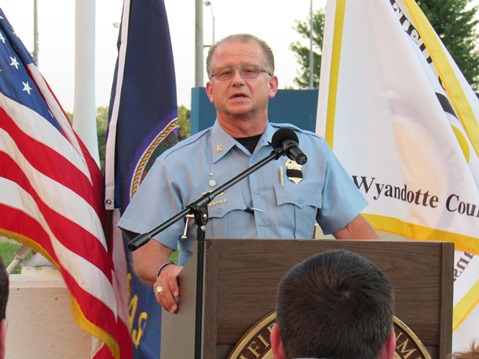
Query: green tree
{"type": "Point", "coordinates": [101, 127]}
{"type": "Point", "coordinates": [302, 52]}
{"type": "Point", "coordinates": [183, 123]}
{"type": "Point", "coordinates": [455, 22]}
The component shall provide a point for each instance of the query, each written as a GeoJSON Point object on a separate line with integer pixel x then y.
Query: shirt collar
{"type": "Point", "coordinates": [221, 142]}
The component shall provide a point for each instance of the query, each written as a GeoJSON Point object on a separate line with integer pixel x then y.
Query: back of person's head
{"type": "Point", "coordinates": [472, 353]}
{"type": "Point", "coordinates": [335, 304]}
{"type": "Point", "coordinates": [4, 288]}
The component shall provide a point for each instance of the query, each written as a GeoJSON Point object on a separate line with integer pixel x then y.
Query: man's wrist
{"type": "Point", "coordinates": [163, 266]}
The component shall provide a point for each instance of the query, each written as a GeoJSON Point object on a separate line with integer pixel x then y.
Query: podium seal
{"type": "Point", "coordinates": [255, 343]}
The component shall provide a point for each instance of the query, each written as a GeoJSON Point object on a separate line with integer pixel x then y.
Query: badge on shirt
{"type": "Point", "coordinates": [293, 171]}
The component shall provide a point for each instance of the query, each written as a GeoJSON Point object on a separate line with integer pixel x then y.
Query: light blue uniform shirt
{"type": "Point", "coordinates": [284, 208]}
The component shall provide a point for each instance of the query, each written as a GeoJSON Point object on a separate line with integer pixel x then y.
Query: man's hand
{"type": "Point", "coordinates": [147, 261]}
{"type": "Point", "coordinates": [166, 288]}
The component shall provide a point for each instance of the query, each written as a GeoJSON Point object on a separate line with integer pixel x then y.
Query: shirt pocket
{"type": "Point", "coordinates": [227, 216]}
{"type": "Point", "coordinates": [298, 206]}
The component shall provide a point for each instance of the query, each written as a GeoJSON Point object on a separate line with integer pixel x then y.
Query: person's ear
{"type": "Point", "coordinates": [273, 86]}
{"type": "Point", "coordinates": [277, 343]}
{"type": "Point", "coordinates": [209, 91]}
{"type": "Point", "coordinates": [389, 348]}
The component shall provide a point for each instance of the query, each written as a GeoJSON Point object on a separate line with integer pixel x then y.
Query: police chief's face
{"type": "Point", "coordinates": [241, 84]}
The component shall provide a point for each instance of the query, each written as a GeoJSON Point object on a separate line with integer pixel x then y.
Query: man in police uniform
{"type": "Point", "coordinates": [281, 200]}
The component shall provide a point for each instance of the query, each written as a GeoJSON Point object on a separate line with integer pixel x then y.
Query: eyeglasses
{"type": "Point", "coordinates": [247, 72]}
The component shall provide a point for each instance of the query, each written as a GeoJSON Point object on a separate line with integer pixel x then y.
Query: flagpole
{"type": "Point", "coordinates": [84, 112]}
{"type": "Point", "coordinates": [35, 32]}
{"type": "Point", "coordinates": [198, 43]}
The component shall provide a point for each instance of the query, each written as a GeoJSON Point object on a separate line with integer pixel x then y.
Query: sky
{"type": "Point", "coordinates": [271, 20]}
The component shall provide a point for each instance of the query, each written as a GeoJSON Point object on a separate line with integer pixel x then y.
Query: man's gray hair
{"type": "Point", "coordinates": [243, 38]}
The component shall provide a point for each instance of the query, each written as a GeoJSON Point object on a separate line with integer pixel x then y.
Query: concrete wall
{"type": "Point", "coordinates": [40, 321]}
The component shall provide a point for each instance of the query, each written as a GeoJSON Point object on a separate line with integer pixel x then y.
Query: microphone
{"type": "Point", "coordinates": [286, 139]}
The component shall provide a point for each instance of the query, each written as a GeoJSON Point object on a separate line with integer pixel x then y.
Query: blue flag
{"type": "Point", "coordinates": [142, 124]}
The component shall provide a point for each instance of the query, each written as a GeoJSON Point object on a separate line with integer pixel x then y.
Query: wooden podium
{"type": "Point", "coordinates": [241, 276]}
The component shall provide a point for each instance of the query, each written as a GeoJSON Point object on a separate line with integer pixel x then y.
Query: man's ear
{"type": "Point", "coordinates": [273, 86]}
{"type": "Point", "coordinates": [277, 343]}
{"type": "Point", "coordinates": [209, 91]}
{"type": "Point", "coordinates": [389, 348]}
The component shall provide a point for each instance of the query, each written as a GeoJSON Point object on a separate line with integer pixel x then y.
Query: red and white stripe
{"type": "Point", "coordinates": [51, 201]}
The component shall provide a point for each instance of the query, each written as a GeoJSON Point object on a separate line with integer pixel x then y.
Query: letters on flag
{"type": "Point", "coordinates": [402, 119]}
{"type": "Point", "coordinates": [142, 124]}
{"type": "Point", "coordinates": [50, 193]}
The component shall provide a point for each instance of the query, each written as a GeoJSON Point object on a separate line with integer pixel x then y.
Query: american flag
{"type": "Point", "coordinates": [51, 195]}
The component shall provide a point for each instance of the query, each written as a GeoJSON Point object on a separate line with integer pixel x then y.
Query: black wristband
{"type": "Point", "coordinates": [163, 266]}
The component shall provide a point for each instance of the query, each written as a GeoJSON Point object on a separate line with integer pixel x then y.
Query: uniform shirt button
{"type": "Point", "coordinates": [219, 210]}
{"type": "Point", "coordinates": [300, 201]}
{"type": "Point", "coordinates": [261, 223]}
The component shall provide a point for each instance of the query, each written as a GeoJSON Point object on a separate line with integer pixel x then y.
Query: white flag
{"type": "Point", "coordinates": [403, 120]}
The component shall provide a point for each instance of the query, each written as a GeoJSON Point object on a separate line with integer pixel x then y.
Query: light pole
{"type": "Point", "coordinates": [311, 59]}
{"type": "Point", "coordinates": [208, 3]}
{"type": "Point", "coordinates": [35, 32]}
{"type": "Point", "coordinates": [198, 43]}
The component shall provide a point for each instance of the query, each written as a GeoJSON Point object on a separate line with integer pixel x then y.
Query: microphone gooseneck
{"type": "Point", "coordinates": [287, 139]}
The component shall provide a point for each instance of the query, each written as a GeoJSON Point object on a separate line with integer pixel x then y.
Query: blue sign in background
{"type": "Point", "coordinates": [297, 107]}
